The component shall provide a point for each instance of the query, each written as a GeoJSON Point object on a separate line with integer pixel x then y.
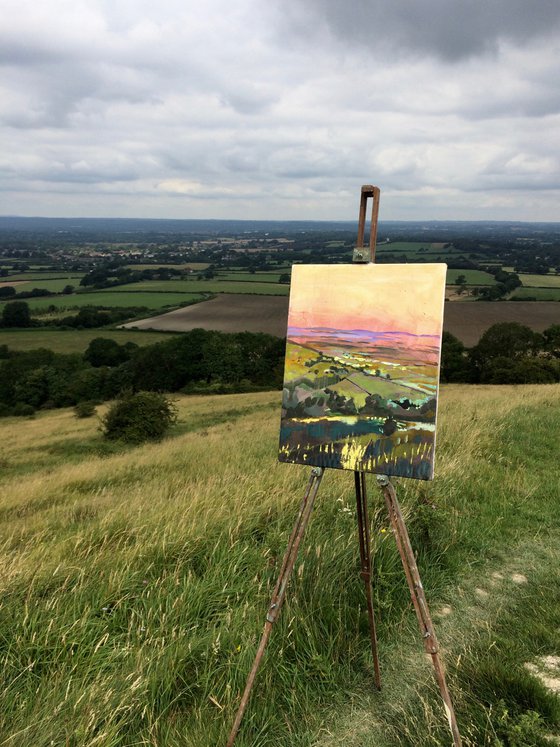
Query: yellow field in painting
{"type": "Point", "coordinates": [413, 375]}
{"type": "Point", "coordinates": [296, 358]}
{"type": "Point", "coordinates": [396, 448]}
{"type": "Point", "coordinates": [415, 446]}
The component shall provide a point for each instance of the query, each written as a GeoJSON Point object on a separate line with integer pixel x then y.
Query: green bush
{"type": "Point", "coordinates": [23, 410]}
{"type": "Point", "coordinates": [84, 409]}
{"type": "Point", "coordinates": [135, 418]}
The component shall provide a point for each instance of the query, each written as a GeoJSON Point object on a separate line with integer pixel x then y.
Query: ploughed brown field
{"type": "Point", "coordinates": [250, 313]}
{"type": "Point", "coordinates": [468, 321]}
{"type": "Point", "coordinates": [233, 312]}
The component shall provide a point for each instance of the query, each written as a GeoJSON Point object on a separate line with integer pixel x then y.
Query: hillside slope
{"type": "Point", "coordinates": [135, 582]}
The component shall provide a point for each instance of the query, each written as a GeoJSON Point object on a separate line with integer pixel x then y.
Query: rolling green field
{"type": "Point", "coordinates": [54, 284]}
{"type": "Point", "coordinates": [264, 277]}
{"type": "Point", "coordinates": [183, 266]}
{"type": "Point", "coordinates": [135, 582]}
{"type": "Point", "coordinates": [404, 246]}
{"type": "Point", "coordinates": [206, 286]}
{"type": "Point", "coordinates": [541, 294]}
{"type": "Point", "coordinates": [472, 277]}
{"type": "Point", "coordinates": [413, 248]}
{"type": "Point", "coordinates": [72, 341]}
{"type": "Point", "coordinates": [540, 281]}
{"type": "Point", "coordinates": [116, 297]}
{"type": "Point", "coordinates": [50, 275]}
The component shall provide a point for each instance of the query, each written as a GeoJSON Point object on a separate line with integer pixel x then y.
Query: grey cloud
{"type": "Point", "coordinates": [90, 170]}
{"type": "Point", "coordinates": [449, 30]}
{"type": "Point", "coordinates": [184, 110]}
{"type": "Point", "coordinates": [248, 100]}
{"type": "Point", "coordinates": [13, 52]}
{"type": "Point", "coordinates": [243, 162]}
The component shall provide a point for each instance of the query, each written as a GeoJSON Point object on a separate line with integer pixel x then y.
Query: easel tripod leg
{"type": "Point", "coordinates": [279, 592]}
{"type": "Point", "coordinates": [365, 558]}
{"type": "Point", "coordinates": [419, 599]}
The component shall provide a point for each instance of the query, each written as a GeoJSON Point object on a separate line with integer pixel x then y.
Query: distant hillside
{"type": "Point", "coordinates": [427, 230]}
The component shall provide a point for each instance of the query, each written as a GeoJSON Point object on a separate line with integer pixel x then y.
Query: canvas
{"type": "Point", "coordinates": [362, 367]}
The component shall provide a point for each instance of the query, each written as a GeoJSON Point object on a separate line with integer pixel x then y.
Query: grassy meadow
{"type": "Point", "coordinates": [472, 277]}
{"type": "Point", "coordinates": [540, 294]}
{"type": "Point", "coordinates": [73, 340]}
{"type": "Point", "coordinates": [207, 286]}
{"type": "Point", "coordinates": [540, 281]}
{"type": "Point", "coordinates": [54, 284]}
{"type": "Point", "coordinates": [117, 298]}
{"type": "Point", "coordinates": [135, 583]}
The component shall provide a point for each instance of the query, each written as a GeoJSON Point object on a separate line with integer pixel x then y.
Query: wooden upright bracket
{"type": "Point", "coordinates": [360, 255]}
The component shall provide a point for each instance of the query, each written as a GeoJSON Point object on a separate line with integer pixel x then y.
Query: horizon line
{"type": "Point", "coordinates": [281, 220]}
{"type": "Point", "coordinates": [366, 331]}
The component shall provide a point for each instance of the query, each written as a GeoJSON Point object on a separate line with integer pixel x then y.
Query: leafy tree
{"type": "Point", "coordinates": [14, 368]}
{"type": "Point", "coordinates": [33, 389]}
{"type": "Point", "coordinates": [92, 384]}
{"type": "Point", "coordinates": [106, 352]}
{"type": "Point", "coordinates": [68, 289]}
{"type": "Point", "coordinates": [89, 318]}
{"type": "Point", "coordinates": [16, 314]}
{"type": "Point", "coordinates": [223, 359]}
{"type": "Point", "coordinates": [454, 362]}
{"type": "Point", "coordinates": [504, 370]}
{"type": "Point", "coordinates": [140, 417]}
{"type": "Point", "coordinates": [23, 410]}
{"type": "Point", "coordinates": [506, 340]}
{"type": "Point", "coordinates": [85, 409]}
{"type": "Point", "coordinates": [263, 358]}
{"type": "Point", "coordinates": [8, 291]}
{"type": "Point", "coordinates": [97, 277]}
{"type": "Point", "coordinates": [552, 340]}
{"type": "Point", "coordinates": [168, 366]}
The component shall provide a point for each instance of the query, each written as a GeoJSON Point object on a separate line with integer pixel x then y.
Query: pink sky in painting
{"type": "Point", "coordinates": [403, 298]}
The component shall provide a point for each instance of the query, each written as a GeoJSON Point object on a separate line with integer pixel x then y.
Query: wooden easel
{"type": "Point", "coordinates": [361, 255]}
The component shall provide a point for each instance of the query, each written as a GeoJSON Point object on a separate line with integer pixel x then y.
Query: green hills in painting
{"type": "Point", "coordinates": [360, 400]}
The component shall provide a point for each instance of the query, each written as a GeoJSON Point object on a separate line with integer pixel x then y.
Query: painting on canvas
{"type": "Point", "coordinates": [362, 368]}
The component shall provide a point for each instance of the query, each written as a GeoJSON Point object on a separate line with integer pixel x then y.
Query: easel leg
{"type": "Point", "coordinates": [418, 599]}
{"type": "Point", "coordinates": [365, 558]}
{"type": "Point", "coordinates": [279, 590]}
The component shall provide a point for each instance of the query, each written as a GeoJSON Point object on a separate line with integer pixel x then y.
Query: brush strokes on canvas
{"type": "Point", "coordinates": [361, 373]}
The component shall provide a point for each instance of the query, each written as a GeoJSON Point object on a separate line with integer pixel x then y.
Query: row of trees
{"type": "Point", "coordinates": [17, 314]}
{"type": "Point", "coordinates": [506, 283]}
{"type": "Point", "coordinates": [507, 353]}
{"type": "Point", "coordinates": [195, 361]}
{"type": "Point", "coordinates": [117, 272]}
{"type": "Point", "coordinates": [206, 361]}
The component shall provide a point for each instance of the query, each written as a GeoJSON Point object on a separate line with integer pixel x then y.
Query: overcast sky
{"type": "Point", "coordinates": [280, 108]}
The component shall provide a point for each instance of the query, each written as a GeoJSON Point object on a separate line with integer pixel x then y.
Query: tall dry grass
{"type": "Point", "coordinates": [134, 580]}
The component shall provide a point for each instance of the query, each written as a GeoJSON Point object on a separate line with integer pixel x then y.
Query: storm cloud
{"type": "Point", "coordinates": [280, 109]}
{"type": "Point", "coordinates": [438, 28]}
